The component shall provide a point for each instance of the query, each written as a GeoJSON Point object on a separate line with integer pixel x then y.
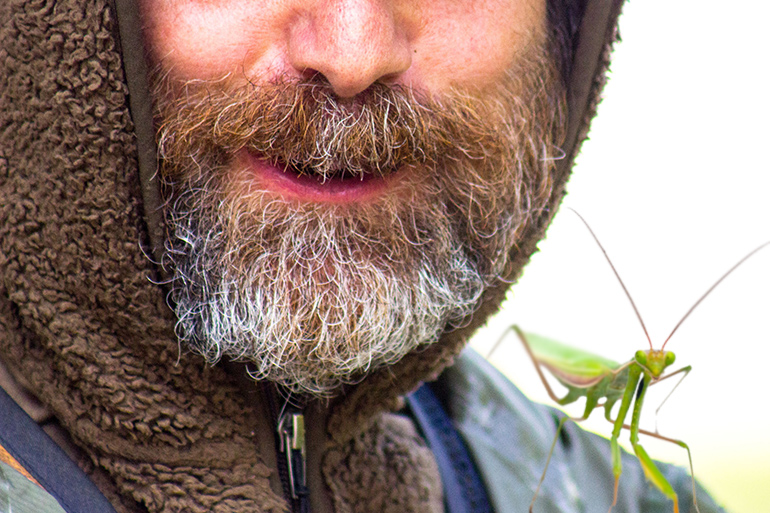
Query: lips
{"type": "Point", "coordinates": [308, 185]}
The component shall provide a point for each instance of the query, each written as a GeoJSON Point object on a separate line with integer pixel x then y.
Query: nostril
{"type": "Point", "coordinates": [309, 74]}
{"type": "Point", "coordinates": [390, 79]}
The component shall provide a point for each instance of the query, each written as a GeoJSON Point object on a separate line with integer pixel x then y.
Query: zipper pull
{"type": "Point", "coordinates": [291, 433]}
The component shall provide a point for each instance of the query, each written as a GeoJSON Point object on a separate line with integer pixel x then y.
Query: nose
{"type": "Point", "coordinates": [352, 43]}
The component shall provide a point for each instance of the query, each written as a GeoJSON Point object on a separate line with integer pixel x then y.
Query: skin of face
{"type": "Point", "coordinates": [430, 45]}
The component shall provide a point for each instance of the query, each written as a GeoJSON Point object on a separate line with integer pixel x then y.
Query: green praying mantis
{"type": "Point", "coordinates": [584, 374]}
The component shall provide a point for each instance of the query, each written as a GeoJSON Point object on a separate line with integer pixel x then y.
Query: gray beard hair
{"type": "Point", "coordinates": [317, 311]}
{"type": "Point", "coordinates": [316, 296]}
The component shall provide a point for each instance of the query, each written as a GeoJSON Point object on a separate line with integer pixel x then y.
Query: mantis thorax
{"type": "Point", "coordinates": [654, 360]}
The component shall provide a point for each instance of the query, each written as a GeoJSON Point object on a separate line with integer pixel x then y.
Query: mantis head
{"type": "Point", "coordinates": [655, 360]}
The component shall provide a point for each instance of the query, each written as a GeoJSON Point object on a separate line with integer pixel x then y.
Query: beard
{"type": "Point", "coordinates": [315, 295]}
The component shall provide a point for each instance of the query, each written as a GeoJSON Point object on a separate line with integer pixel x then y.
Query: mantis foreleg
{"type": "Point", "coordinates": [680, 444]}
{"type": "Point", "coordinates": [686, 370]}
{"type": "Point", "coordinates": [633, 378]}
{"type": "Point", "coordinates": [652, 472]}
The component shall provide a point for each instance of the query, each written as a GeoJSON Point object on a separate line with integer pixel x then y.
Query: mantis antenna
{"type": "Point", "coordinates": [725, 275]}
{"type": "Point", "coordinates": [628, 295]}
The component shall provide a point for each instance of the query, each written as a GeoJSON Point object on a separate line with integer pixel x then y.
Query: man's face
{"type": "Point", "coordinates": [345, 178]}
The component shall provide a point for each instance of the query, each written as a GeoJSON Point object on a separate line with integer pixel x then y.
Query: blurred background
{"type": "Point", "coordinates": [675, 181]}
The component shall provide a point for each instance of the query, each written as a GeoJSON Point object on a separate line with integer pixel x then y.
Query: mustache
{"type": "Point", "coordinates": [303, 125]}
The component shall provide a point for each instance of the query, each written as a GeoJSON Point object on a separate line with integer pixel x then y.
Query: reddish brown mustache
{"type": "Point", "coordinates": [304, 126]}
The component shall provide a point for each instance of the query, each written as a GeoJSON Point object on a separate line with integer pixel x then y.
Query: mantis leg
{"type": "Point", "coordinates": [633, 377]}
{"type": "Point", "coordinates": [689, 457]}
{"type": "Point", "coordinates": [548, 461]}
{"type": "Point", "coordinates": [651, 471]}
{"type": "Point", "coordinates": [559, 400]}
{"type": "Point", "coordinates": [562, 421]}
{"type": "Point", "coordinates": [686, 371]}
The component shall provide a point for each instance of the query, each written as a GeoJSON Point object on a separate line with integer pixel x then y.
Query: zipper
{"type": "Point", "coordinates": [289, 422]}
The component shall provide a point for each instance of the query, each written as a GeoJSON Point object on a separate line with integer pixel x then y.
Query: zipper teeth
{"type": "Point", "coordinates": [300, 504]}
{"type": "Point", "coordinates": [283, 469]}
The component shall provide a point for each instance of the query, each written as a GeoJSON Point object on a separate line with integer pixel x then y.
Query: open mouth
{"type": "Point", "coordinates": [339, 174]}
{"type": "Point", "coordinates": [310, 184]}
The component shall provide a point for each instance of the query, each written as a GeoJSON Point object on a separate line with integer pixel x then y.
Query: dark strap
{"type": "Point", "coordinates": [464, 491]}
{"type": "Point", "coordinates": [32, 448]}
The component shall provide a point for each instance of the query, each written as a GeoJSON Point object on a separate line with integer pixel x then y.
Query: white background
{"type": "Point", "coordinates": [675, 181]}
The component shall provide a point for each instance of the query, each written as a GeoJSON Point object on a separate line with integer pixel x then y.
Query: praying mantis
{"type": "Point", "coordinates": [587, 375]}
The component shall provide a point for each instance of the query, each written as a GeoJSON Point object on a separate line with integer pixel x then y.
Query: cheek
{"type": "Point", "coordinates": [201, 39]}
{"type": "Point", "coordinates": [473, 44]}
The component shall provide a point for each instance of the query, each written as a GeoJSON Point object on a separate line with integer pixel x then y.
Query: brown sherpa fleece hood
{"type": "Point", "coordinates": [85, 326]}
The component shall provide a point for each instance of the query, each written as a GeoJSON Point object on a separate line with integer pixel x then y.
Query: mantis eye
{"type": "Point", "coordinates": [670, 357]}
{"type": "Point", "coordinates": [641, 357]}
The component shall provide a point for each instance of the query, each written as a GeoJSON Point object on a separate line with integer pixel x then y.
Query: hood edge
{"type": "Point", "coordinates": [136, 71]}
{"type": "Point", "coordinates": [587, 81]}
